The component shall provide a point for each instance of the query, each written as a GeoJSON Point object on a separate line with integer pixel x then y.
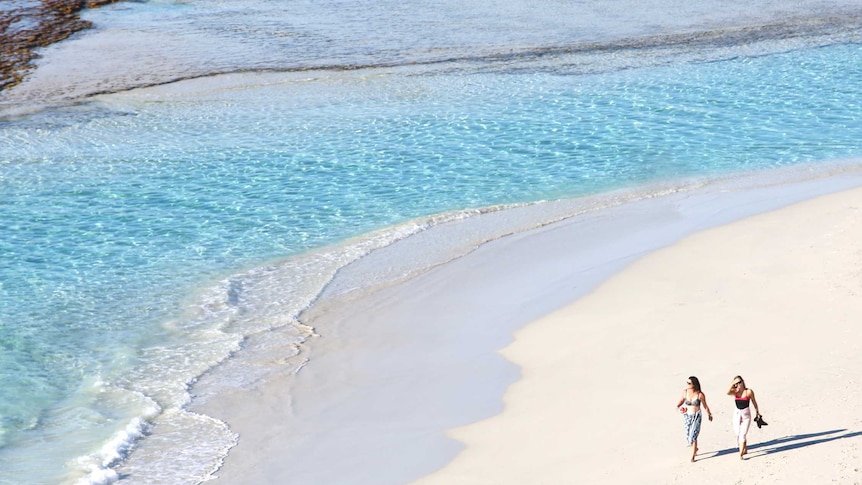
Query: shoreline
{"type": "Point", "coordinates": [26, 86]}
{"type": "Point", "coordinates": [484, 405]}
{"type": "Point", "coordinates": [773, 297]}
{"type": "Point", "coordinates": [394, 369]}
{"type": "Point", "coordinates": [470, 320]}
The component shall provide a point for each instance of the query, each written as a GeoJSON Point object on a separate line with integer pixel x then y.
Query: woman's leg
{"type": "Point", "coordinates": [744, 425]}
{"type": "Point", "coordinates": [694, 432]}
{"type": "Point", "coordinates": [737, 421]}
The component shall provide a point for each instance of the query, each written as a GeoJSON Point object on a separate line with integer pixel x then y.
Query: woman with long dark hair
{"type": "Point", "coordinates": [689, 405]}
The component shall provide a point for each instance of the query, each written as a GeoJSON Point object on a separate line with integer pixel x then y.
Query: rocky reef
{"type": "Point", "coordinates": [25, 26]}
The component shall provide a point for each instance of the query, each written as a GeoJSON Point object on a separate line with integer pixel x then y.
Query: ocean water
{"type": "Point", "coordinates": [152, 239]}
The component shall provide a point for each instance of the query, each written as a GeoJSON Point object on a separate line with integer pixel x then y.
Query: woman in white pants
{"type": "Point", "coordinates": [744, 399]}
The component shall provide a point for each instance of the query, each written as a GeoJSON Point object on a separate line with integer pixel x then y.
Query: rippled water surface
{"type": "Point", "coordinates": [145, 236]}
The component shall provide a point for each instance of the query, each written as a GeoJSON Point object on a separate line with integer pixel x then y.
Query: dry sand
{"type": "Point", "coordinates": [625, 304]}
{"type": "Point", "coordinates": [776, 298]}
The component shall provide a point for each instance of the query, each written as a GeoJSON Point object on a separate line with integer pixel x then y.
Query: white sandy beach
{"type": "Point", "coordinates": [249, 277]}
{"type": "Point", "coordinates": [588, 389]}
{"type": "Point", "coordinates": [776, 298]}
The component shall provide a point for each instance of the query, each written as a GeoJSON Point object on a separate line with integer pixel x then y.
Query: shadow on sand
{"type": "Point", "coordinates": [785, 444]}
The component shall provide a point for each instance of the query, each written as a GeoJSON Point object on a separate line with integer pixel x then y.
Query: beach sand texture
{"type": "Point", "coordinates": [547, 356]}
{"type": "Point", "coordinates": [589, 387]}
{"type": "Point", "coordinates": [776, 298]}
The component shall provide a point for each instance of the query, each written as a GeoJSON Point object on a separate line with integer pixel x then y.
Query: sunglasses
{"type": "Point", "coordinates": [736, 384]}
{"type": "Point", "coordinates": [688, 382]}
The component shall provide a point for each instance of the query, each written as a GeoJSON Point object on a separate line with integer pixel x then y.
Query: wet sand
{"type": "Point", "coordinates": [591, 383]}
{"type": "Point", "coordinates": [774, 298]}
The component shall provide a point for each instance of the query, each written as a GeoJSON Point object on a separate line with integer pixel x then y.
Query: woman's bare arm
{"type": "Point", "coordinates": [753, 401]}
{"type": "Point", "coordinates": [705, 405]}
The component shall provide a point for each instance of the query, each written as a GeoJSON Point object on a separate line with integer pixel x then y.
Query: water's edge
{"type": "Point", "coordinates": [711, 43]}
{"type": "Point", "coordinates": [649, 221]}
{"type": "Point", "coordinates": [344, 292]}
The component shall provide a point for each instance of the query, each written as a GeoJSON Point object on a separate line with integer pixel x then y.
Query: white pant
{"type": "Point", "coordinates": [741, 423]}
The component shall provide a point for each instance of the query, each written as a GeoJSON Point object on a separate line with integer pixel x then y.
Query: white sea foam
{"type": "Point", "coordinates": [108, 407]}
{"type": "Point", "coordinates": [242, 328]}
{"type": "Point", "coordinates": [248, 327]}
{"type": "Point", "coordinates": [186, 447]}
{"type": "Point", "coordinates": [97, 467]}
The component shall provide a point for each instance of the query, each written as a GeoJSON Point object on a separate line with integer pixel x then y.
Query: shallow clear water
{"type": "Point", "coordinates": [147, 236]}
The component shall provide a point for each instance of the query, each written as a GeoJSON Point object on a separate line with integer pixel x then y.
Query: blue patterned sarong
{"type": "Point", "coordinates": [691, 422]}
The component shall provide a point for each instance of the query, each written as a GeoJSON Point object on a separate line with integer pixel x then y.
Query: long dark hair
{"type": "Point", "coordinates": [695, 383]}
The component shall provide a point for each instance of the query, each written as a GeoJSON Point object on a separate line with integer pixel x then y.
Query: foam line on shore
{"type": "Point", "coordinates": [774, 297]}
{"type": "Point", "coordinates": [394, 369]}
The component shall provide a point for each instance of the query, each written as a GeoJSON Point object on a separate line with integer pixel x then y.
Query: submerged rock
{"type": "Point", "coordinates": [27, 25]}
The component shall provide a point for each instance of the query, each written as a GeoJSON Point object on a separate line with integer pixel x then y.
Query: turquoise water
{"type": "Point", "coordinates": [145, 237]}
